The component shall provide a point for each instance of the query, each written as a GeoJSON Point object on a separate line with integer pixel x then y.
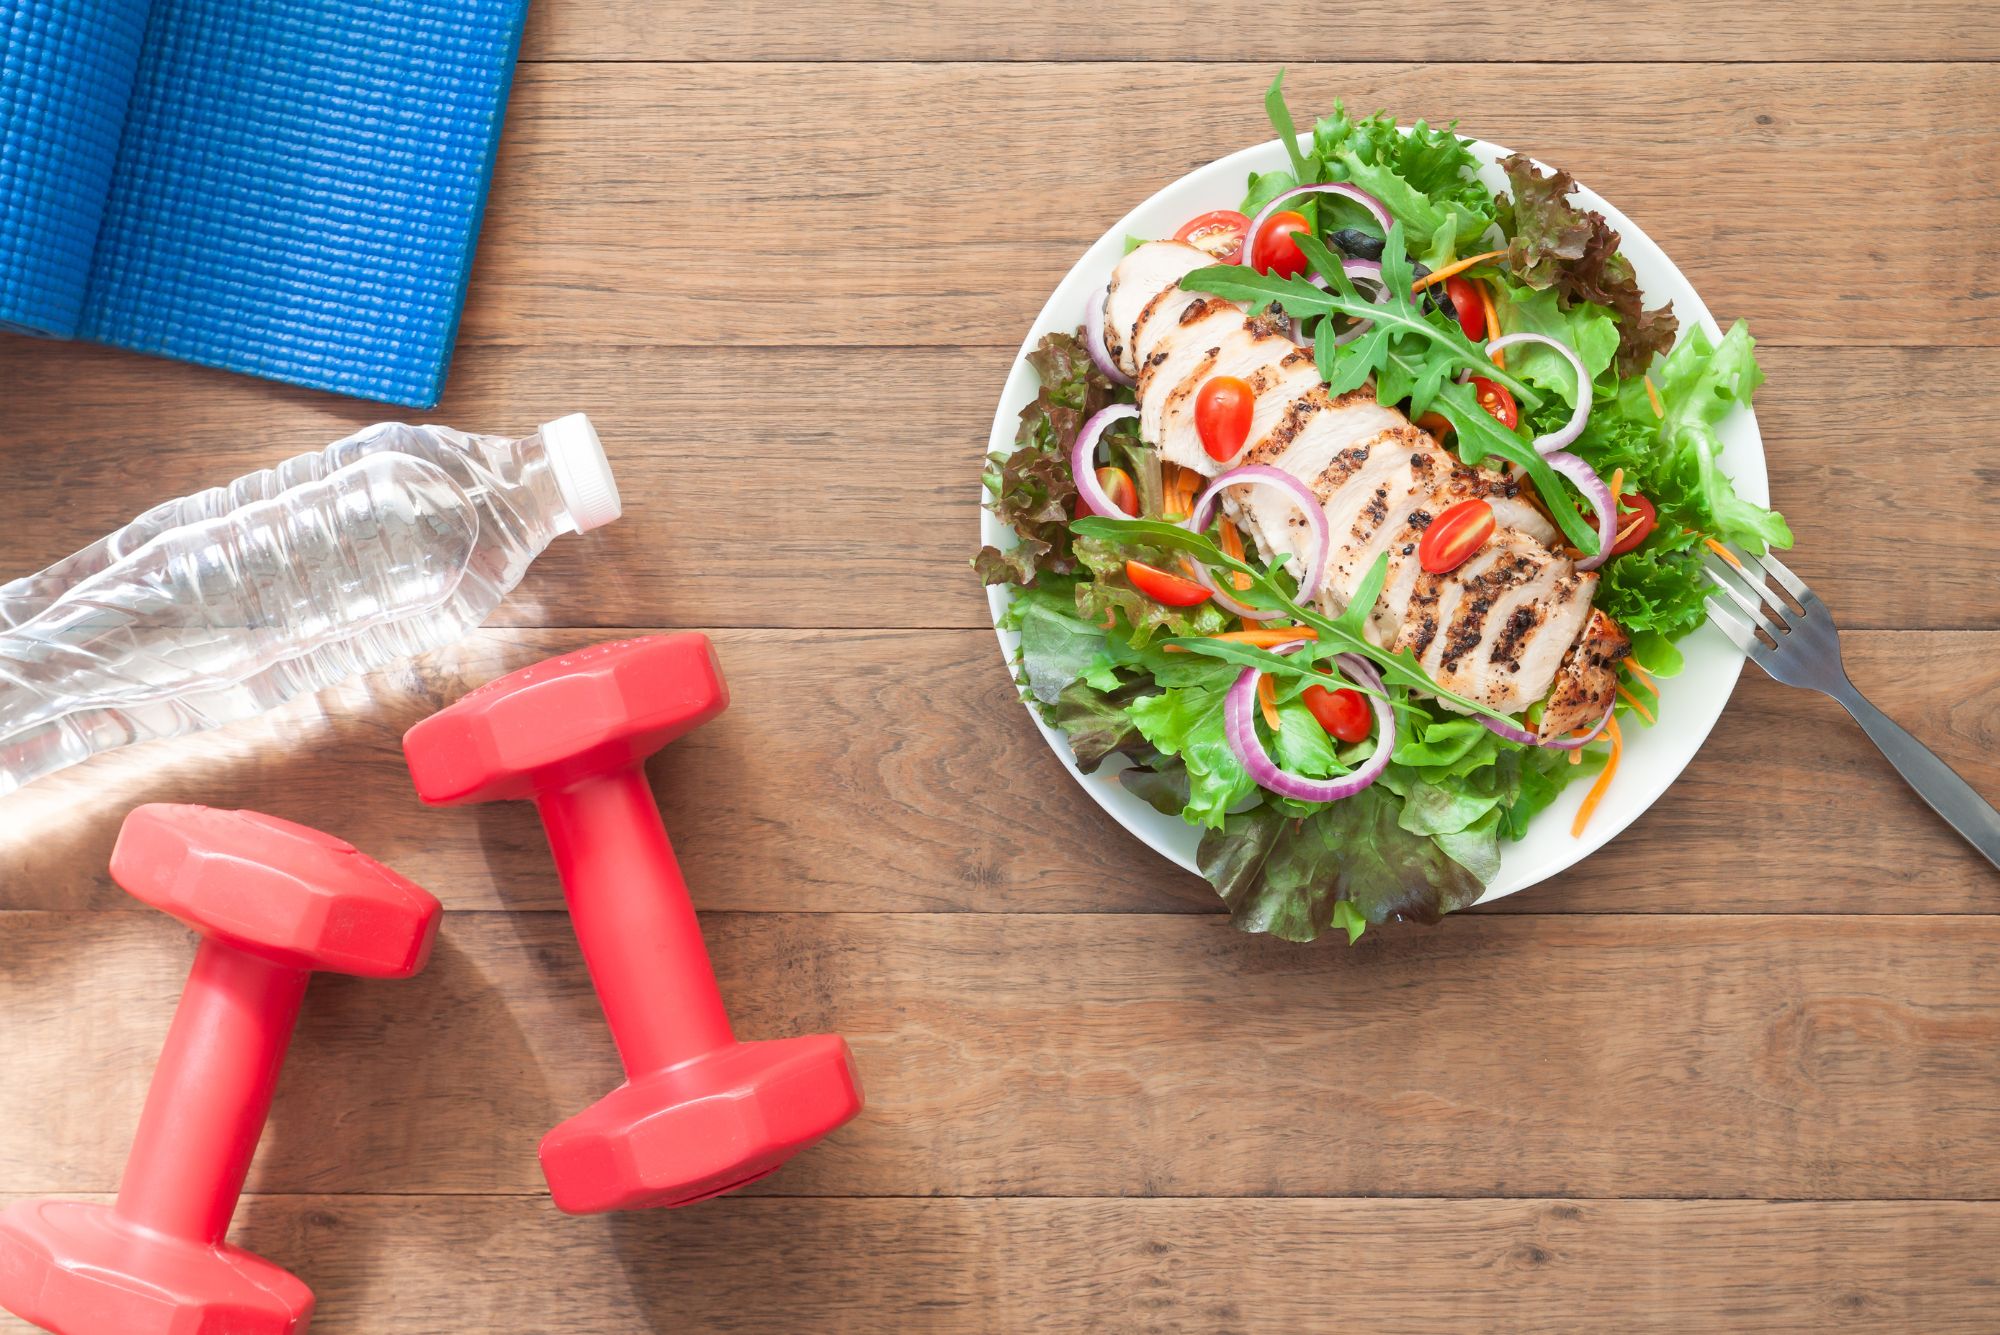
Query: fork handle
{"type": "Point", "coordinates": [1936, 782]}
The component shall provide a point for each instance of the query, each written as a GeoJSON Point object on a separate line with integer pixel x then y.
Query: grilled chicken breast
{"type": "Point", "coordinates": [1510, 626]}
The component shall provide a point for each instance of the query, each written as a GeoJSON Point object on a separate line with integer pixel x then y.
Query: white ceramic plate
{"type": "Point", "coordinates": [1690, 703]}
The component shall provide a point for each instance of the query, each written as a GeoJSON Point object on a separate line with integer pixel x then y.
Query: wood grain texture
{"type": "Point", "coordinates": [1129, 30]}
{"type": "Point", "coordinates": [1220, 1267]}
{"type": "Point", "coordinates": [756, 205]}
{"type": "Point", "coordinates": [875, 771]}
{"type": "Point", "coordinates": [1115, 1055]}
{"type": "Point", "coordinates": [812, 508]}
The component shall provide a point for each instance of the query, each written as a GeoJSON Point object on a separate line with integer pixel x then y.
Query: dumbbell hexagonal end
{"type": "Point", "coordinates": [566, 719]}
{"type": "Point", "coordinates": [79, 1269]}
{"type": "Point", "coordinates": [280, 890]}
{"type": "Point", "coordinates": [703, 1128]}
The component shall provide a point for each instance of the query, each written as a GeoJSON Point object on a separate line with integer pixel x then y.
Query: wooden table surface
{"type": "Point", "coordinates": [1736, 1072]}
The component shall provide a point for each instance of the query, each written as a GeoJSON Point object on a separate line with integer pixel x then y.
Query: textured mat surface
{"type": "Point", "coordinates": [295, 188]}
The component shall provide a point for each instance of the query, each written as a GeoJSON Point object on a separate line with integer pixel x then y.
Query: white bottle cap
{"type": "Point", "coordinates": [583, 473]}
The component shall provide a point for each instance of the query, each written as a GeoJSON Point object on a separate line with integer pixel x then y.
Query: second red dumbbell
{"type": "Point", "coordinates": [700, 1113]}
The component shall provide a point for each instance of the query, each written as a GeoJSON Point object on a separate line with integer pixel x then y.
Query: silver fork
{"type": "Point", "coordinates": [1784, 627]}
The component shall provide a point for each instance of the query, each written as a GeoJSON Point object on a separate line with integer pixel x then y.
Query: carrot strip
{"type": "Point", "coordinates": [1617, 487]}
{"type": "Point", "coordinates": [1267, 700]}
{"type": "Point", "coordinates": [1232, 545]}
{"type": "Point", "coordinates": [1453, 269]}
{"type": "Point", "coordinates": [1264, 637]}
{"type": "Point", "coordinates": [1659, 409]}
{"type": "Point", "coordinates": [1492, 320]}
{"type": "Point", "coordinates": [1645, 678]}
{"type": "Point", "coordinates": [1596, 793]}
{"type": "Point", "coordinates": [1629, 529]}
{"type": "Point", "coordinates": [1723, 552]}
{"type": "Point", "coordinates": [1110, 619]}
{"type": "Point", "coordinates": [1638, 706]}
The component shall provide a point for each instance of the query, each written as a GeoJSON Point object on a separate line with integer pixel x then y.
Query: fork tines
{"type": "Point", "coordinates": [1755, 585]}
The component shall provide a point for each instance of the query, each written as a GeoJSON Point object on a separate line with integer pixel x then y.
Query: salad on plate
{"type": "Point", "coordinates": [1356, 523]}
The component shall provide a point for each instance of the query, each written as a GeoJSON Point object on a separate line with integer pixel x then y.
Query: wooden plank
{"type": "Point", "coordinates": [1032, 1055]}
{"type": "Point", "coordinates": [1125, 30]}
{"type": "Point", "coordinates": [893, 771]}
{"type": "Point", "coordinates": [443, 1267]}
{"type": "Point", "coordinates": [752, 205]}
{"type": "Point", "coordinates": [742, 510]}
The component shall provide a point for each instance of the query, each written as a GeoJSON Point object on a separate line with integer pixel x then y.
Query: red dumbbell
{"type": "Point", "coordinates": [699, 1114]}
{"type": "Point", "coordinates": [274, 901]}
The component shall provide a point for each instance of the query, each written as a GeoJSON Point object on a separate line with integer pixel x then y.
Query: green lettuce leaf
{"type": "Point", "coordinates": [1587, 330]}
{"type": "Point", "coordinates": [1188, 723]}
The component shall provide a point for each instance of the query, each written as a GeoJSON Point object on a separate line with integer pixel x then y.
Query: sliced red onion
{"type": "Point", "coordinates": [1093, 338]}
{"type": "Point", "coordinates": [1598, 494]}
{"type": "Point", "coordinates": [1341, 188]}
{"type": "Point", "coordinates": [1526, 738]}
{"type": "Point", "coordinates": [1083, 460]}
{"type": "Point", "coordinates": [1239, 718]}
{"type": "Point", "coordinates": [1263, 475]}
{"type": "Point", "coordinates": [1570, 430]}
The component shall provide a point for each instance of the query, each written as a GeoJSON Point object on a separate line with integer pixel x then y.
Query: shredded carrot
{"type": "Point", "coordinates": [1644, 677]}
{"type": "Point", "coordinates": [1262, 637]}
{"type": "Point", "coordinates": [1576, 756]}
{"type": "Point", "coordinates": [1629, 529]}
{"type": "Point", "coordinates": [1659, 409]}
{"type": "Point", "coordinates": [1453, 269]}
{"type": "Point", "coordinates": [1596, 793]}
{"type": "Point", "coordinates": [1267, 700]}
{"type": "Point", "coordinates": [1617, 487]}
{"type": "Point", "coordinates": [1637, 704]}
{"type": "Point", "coordinates": [1232, 545]}
{"type": "Point", "coordinates": [1110, 621]}
{"type": "Point", "coordinates": [1492, 321]}
{"type": "Point", "coordinates": [1723, 552]}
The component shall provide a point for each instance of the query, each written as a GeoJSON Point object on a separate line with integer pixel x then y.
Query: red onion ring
{"type": "Point", "coordinates": [1598, 494]}
{"type": "Point", "coordinates": [1526, 738]}
{"type": "Point", "coordinates": [1239, 716]}
{"type": "Point", "coordinates": [1263, 475]}
{"type": "Point", "coordinates": [1341, 188]}
{"type": "Point", "coordinates": [1093, 338]}
{"type": "Point", "coordinates": [1083, 460]}
{"type": "Point", "coordinates": [1570, 430]}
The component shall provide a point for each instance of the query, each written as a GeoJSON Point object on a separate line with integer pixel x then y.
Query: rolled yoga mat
{"type": "Point", "coordinates": [288, 188]}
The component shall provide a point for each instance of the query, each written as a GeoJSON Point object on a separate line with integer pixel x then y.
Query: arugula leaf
{"type": "Point", "coordinates": [1480, 434]}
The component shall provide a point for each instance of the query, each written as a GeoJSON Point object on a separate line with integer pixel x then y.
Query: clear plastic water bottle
{"type": "Point", "coordinates": [220, 605]}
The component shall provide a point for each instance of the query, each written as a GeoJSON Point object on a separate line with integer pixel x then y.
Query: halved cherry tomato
{"type": "Point", "coordinates": [1161, 587]}
{"type": "Point", "coordinates": [1275, 252]}
{"type": "Point", "coordinates": [1344, 714]}
{"type": "Point", "coordinates": [1455, 535]}
{"type": "Point", "coordinates": [1222, 409]}
{"type": "Point", "coordinates": [1465, 301]}
{"type": "Point", "coordinates": [1117, 484]}
{"type": "Point", "coordinates": [1495, 399]}
{"type": "Point", "coordinates": [1633, 506]}
{"type": "Point", "coordinates": [1219, 232]}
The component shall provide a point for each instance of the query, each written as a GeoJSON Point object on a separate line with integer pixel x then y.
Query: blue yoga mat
{"type": "Point", "coordinates": [289, 188]}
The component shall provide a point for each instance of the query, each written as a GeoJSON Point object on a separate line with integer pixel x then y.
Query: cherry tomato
{"type": "Point", "coordinates": [1634, 506]}
{"type": "Point", "coordinates": [1222, 409]}
{"type": "Point", "coordinates": [1465, 300]}
{"type": "Point", "coordinates": [1276, 252]}
{"type": "Point", "coordinates": [1219, 232]}
{"type": "Point", "coordinates": [1495, 399]}
{"type": "Point", "coordinates": [1117, 484]}
{"type": "Point", "coordinates": [1344, 714]}
{"type": "Point", "coordinates": [1436, 423]}
{"type": "Point", "coordinates": [1157, 584]}
{"type": "Point", "coordinates": [1455, 535]}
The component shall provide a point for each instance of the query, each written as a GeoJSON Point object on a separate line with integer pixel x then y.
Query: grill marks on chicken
{"type": "Point", "coordinates": [1504, 628]}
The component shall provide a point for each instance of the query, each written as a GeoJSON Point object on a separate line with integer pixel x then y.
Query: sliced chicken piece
{"type": "Point", "coordinates": [1588, 678]}
{"type": "Point", "coordinates": [1161, 317]}
{"type": "Point", "coordinates": [1315, 428]}
{"type": "Point", "coordinates": [1481, 648]}
{"type": "Point", "coordinates": [1144, 274]}
{"type": "Point", "coordinates": [1203, 330]}
{"type": "Point", "coordinates": [1244, 352]}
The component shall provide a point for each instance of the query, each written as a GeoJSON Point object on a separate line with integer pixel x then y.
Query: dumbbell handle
{"type": "Point", "coordinates": [635, 922]}
{"type": "Point", "coordinates": [210, 1094]}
